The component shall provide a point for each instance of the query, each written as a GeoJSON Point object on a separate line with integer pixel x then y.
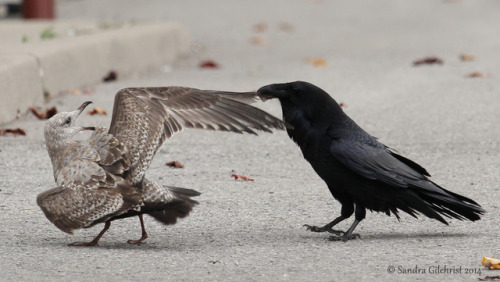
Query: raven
{"type": "Point", "coordinates": [361, 173]}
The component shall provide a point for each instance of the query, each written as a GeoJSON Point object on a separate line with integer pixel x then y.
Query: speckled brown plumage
{"type": "Point", "coordinates": [102, 179]}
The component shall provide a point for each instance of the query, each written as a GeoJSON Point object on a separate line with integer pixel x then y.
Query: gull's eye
{"type": "Point", "coordinates": [67, 121]}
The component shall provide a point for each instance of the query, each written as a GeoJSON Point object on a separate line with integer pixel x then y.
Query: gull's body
{"type": "Point", "coordinates": [102, 179]}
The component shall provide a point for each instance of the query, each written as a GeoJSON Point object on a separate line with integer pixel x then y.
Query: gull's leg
{"type": "Point", "coordinates": [107, 224]}
{"type": "Point", "coordinates": [144, 234]}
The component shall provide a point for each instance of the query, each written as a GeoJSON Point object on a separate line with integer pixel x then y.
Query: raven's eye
{"type": "Point", "coordinates": [67, 121]}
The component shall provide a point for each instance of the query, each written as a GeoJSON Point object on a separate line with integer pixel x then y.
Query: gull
{"type": "Point", "coordinates": [103, 178]}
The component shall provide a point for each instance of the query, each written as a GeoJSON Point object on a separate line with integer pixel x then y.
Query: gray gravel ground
{"type": "Point", "coordinates": [252, 231]}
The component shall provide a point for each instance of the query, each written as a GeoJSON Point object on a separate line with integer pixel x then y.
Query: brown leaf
{"type": "Point", "coordinates": [15, 132]}
{"type": "Point", "coordinates": [88, 91]}
{"type": "Point", "coordinates": [477, 74]}
{"type": "Point", "coordinates": [85, 91]}
{"type": "Point", "coordinates": [260, 27]}
{"type": "Point", "coordinates": [491, 263]}
{"type": "Point", "coordinates": [242, 177]}
{"type": "Point", "coordinates": [175, 164]}
{"type": "Point", "coordinates": [97, 110]}
{"type": "Point", "coordinates": [488, 278]}
{"type": "Point", "coordinates": [286, 27]}
{"type": "Point", "coordinates": [428, 61]}
{"type": "Point", "coordinates": [317, 62]}
{"type": "Point", "coordinates": [111, 76]}
{"type": "Point", "coordinates": [467, 57]}
{"type": "Point", "coordinates": [259, 40]}
{"type": "Point", "coordinates": [73, 91]}
{"type": "Point", "coordinates": [208, 64]}
{"type": "Point", "coordinates": [45, 114]}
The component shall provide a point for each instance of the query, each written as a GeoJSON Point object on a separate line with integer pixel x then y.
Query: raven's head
{"type": "Point", "coordinates": [277, 90]}
{"type": "Point", "coordinates": [302, 102]}
{"type": "Point", "coordinates": [298, 91]}
{"type": "Point", "coordinates": [62, 126]}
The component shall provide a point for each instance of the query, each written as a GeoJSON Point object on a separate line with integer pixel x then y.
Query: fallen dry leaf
{"type": "Point", "coordinates": [286, 27]}
{"type": "Point", "coordinates": [88, 91]}
{"type": "Point", "coordinates": [317, 62]}
{"type": "Point", "coordinates": [74, 91]}
{"type": "Point", "coordinates": [428, 61]}
{"type": "Point", "coordinates": [488, 278]}
{"type": "Point", "coordinates": [45, 114]}
{"type": "Point", "coordinates": [85, 91]}
{"type": "Point", "coordinates": [491, 263]}
{"type": "Point", "coordinates": [242, 177]}
{"type": "Point", "coordinates": [98, 111]}
{"type": "Point", "coordinates": [467, 57]}
{"type": "Point", "coordinates": [111, 76]}
{"type": "Point", "coordinates": [209, 64]}
{"type": "Point", "coordinates": [175, 164]}
{"type": "Point", "coordinates": [260, 27]}
{"type": "Point", "coordinates": [477, 74]}
{"type": "Point", "coordinates": [259, 40]}
{"type": "Point", "coordinates": [15, 132]}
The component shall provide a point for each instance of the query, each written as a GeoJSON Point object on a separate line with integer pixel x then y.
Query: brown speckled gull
{"type": "Point", "coordinates": [102, 179]}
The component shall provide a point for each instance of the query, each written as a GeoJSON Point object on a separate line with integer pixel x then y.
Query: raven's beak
{"type": "Point", "coordinates": [278, 90]}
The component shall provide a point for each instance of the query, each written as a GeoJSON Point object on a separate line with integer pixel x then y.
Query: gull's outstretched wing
{"type": "Point", "coordinates": [143, 118]}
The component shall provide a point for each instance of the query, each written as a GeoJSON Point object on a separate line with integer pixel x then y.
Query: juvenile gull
{"type": "Point", "coordinates": [102, 179]}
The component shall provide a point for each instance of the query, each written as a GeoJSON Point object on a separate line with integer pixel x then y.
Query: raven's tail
{"type": "Point", "coordinates": [434, 204]}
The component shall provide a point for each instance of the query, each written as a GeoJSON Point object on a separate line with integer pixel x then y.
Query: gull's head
{"type": "Point", "coordinates": [62, 126]}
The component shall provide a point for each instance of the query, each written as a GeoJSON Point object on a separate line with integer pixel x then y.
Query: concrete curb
{"type": "Point", "coordinates": [30, 69]}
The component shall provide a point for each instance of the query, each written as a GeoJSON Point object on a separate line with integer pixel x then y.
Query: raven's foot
{"type": "Point", "coordinates": [325, 228]}
{"type": "Point", "coordinates": [345, 237]}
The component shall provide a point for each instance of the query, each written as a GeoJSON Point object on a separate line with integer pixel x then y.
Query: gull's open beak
{"type": "Point", "coordinates": [80, 110]}
{"type": "Point", "coordinates": [83, 106]}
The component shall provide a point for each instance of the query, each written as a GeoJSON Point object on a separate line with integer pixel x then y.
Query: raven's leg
{"type": "Point", "coordinates": [144, 234]}
{"type": "Point", "coordinates": [347, 235]}
{"type": "Point", "coordinates": [359, 216]}
{"type": "Point", "coordinates": [327, 227]}
{"type": "Point", "coordinates": [346, 211]}
{"type": "Point", "coordinates": [107, 224]}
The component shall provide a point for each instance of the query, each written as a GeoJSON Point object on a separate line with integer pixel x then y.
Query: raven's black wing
{"type": "Point", "coordinates": [381, 164]}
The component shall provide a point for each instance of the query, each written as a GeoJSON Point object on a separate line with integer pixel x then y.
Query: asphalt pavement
{"type": "Point", "coordinates": [362, 53]}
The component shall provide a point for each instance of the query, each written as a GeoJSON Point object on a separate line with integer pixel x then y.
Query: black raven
{"type": "Point", "coordinates": [360, 171]}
